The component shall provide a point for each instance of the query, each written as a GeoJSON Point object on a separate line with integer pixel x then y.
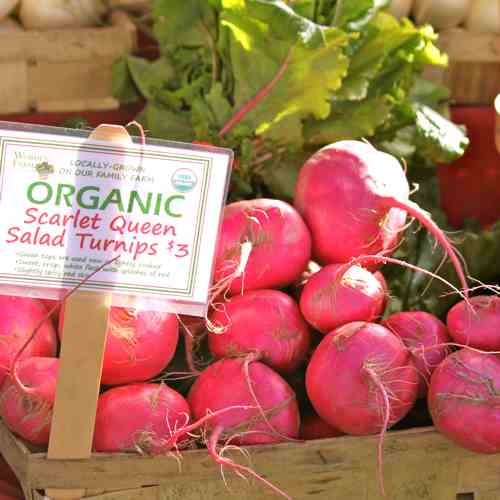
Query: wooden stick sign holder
{"type": "Point", "coordinates": [82, 351]}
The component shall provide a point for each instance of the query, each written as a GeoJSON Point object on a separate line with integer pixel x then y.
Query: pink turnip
{"type": "Point", "coordinates": [27, 397]}
{"type": "Point", "coordinates": [464, 400]}
{"type": "Point", "coordinates": [361, 380]}
{"type": "Point", "coordinates": [139, 344]}
{"type": "Point", "coordinates": [426, 337]}
{"type": "Point", "coordinates": [266, 322]}
{"type": "Point", "coordinates": [314, 427]}
{"type": "Point", "coordinates": [355, 200]}
{"type": "Point", "coordinates": [476, 324]}
{"type": "Point", "coordinates": [139, 417]}
{"type": "Point", "coordinates": [19, 316]}
{"type": "Point", "coordinates": [279, 240]}
{"type": "Point", "coordinates": [330, 300]}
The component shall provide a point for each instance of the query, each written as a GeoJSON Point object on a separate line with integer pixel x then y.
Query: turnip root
{"type": "Point", "coordinates": [280, 246]}
{"type": "Point", "coordinates": [426, 337]}
{"type": "Point", "coordinates": [361, 380]}
{"type": "Point", "coordinates": [139, 345]}
{"type": "Point", "coordinates": [355, 200]}
{"type": "Point", "coordinates": [385, 287]}
{"type": "Point", "coordinates": [26, 402]}
{"type": "Point", "coordinates": [6, 7]}
{"type": "Point", "coordinates": [313, 427]}
{"type": "Point", "coordinates": [19, 316]}
{"type": "Point", "coordinates": [329, 300]}
{"type": "Point", "coordinates": [266, 322]}
{"type": "Point", "coordinates": [464, 400]}
{"type": "Point", "coordinates": [54, 14]}
{"type": "Point", "coordinates": [476, 324]}
{"type": "Point", "coordinates": [139, 417]}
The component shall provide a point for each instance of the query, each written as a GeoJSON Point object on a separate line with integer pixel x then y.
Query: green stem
{"type": "Point", "coordinates": [338, 12]}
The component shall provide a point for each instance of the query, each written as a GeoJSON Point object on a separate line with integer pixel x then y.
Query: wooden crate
{"type": "Point", "coordinates": [62, 70]}
{"type": "Point", "coordinates": [418, 464]}
{"type": "Point", "coordinates": [473, 75]}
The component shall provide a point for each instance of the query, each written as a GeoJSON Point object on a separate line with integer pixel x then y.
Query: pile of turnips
{"type": "Point", "coordinates": [297, 291]}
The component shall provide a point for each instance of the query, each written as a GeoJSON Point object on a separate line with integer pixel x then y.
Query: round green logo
{"type": "Point", "coordinates": [184, 180]}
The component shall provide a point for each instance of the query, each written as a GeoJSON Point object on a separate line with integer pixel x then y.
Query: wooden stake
{"type": "Point", "coordinates": [79, 378]}
{"type": "Point", "coordinates": [497, 122]}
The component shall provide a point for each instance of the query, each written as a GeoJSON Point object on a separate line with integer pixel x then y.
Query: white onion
{"type": "Point", "coordinates": [484, 16]}
{"type": "Point", "coordinates": [400, 8]}
{"type": "Point", "coordinates": [9, 24]}
{"type": "Point", "coordinates": [441, 14]}
{"type": "Point", "coordinates": [53, 14]}
{"type": "Point", "coordinates": [6, 7]}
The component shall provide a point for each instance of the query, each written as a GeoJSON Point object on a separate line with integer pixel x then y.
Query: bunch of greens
{"type": "Point", "coordinates": [275, 80]}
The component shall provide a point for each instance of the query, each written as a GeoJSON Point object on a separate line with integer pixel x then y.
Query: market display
{"type": "Point", "coordinates": [331, 312]}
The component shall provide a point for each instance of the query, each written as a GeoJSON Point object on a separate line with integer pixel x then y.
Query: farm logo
{"type": "Point", "coordinates": [184, 180]}
{"type": "Point", "coordinates": [29, 160]}
{"type": "Point", "coordinates": [44, 169]}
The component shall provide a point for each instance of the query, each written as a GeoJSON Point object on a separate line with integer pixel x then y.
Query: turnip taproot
{"type": "Point", "coordinates": [19, 316]}
{"type": "Point", "coordinates": [139, 417]}
{"type": "Point", "coordinates": [426, 337]}
{"type": "Point", "coordinates": [329, 300]}
{"type": "Point", "coordinates": [355, 200]}
{"type": "Point", "coordinates": [361, 380]}
{"type": "Point", "coordinates": [266, 322]}
{"type": "Point", "coordinates": [476, 324]}
{"type": "Point", "coordinates": [464, 400]}
{"type": "Point", "coordinates": [27, 397]}
{"type": "Point", "coordinates": [280, 245]}
{"type": "Point", "coordinates": [139, 344]}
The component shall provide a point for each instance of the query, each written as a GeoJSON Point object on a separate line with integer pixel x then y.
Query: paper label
{"type": "Point", "coordinates": [69, 204]}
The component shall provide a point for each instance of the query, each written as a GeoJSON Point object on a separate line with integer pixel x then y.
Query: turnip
{"type": "Point", "coordinates": [19, 316]}
{"type": "Point", "coordinates": [464, 400]}
{"type": "Point", "coordinates": [314, 427]}
{"type": "Point", "coordinates": [27, 397]}
{"type": "Point", "coordinates": [242, 402]}
{"type": "Point", "coordinates": [355, 200]}
{"type": "Point", "coordinates": [139, 417]}
{"type": "Point", "coordinates": [329, 300]}
{"type": "Point", "coordinates": [139, 345]}
{"type": "Point", "coordinates": [476, 324]}
{"type": "Point", "coordinates": [280, 246]}
{"type": "Point", "coordinates": [441, 14]}
{"type": "Point", "coordinates": [385, 287]}
{"type": "Point", "coordinates": [54, 14]}
{"type": "Point", "coordinates": [361, 380]}
{"type": "Point", "coordinates": [266, 322]}
{"type": "Point", "coordinates": [426, 337]}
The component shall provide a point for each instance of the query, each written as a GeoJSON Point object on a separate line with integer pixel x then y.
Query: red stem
{"type": "Point", "coordinates": [15, 375]}
{"type": "Point", "coordinates": [415, 211]}
{"type": "Point", "coordinates": [212, 449]}
{"type": "Point", "coordinates": [254, 101]}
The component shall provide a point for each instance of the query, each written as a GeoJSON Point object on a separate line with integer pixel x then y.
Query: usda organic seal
{"type": "Point", "coordinates": [184, 180]}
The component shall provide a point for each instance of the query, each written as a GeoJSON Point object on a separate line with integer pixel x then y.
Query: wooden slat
{"type": "Point", "coordinates": [14, 452]}
{"type": "Point", "coordinates": [13, 86]}
{"type": "Point", "coordinates": [467, 46]}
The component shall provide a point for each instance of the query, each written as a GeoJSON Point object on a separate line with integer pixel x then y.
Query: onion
{"type": "Point", "coordinates": [400, 8]}
{"type": "Point", "coordinates": [484, 16]}
{"type": "Point", "coordinates": [6, 7]}
{"type": "Point", "coordinates": [441, 14]}
{"type": "Point", "coordinates": [9, 25]}
{"type": "Point", "coordinates": [54, 14]}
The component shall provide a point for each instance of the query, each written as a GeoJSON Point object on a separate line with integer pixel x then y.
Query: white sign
{"type": "Point", "coordinates": [68, 204]}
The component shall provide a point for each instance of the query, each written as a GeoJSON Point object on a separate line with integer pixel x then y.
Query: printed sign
{"type": "Point", "coordinates": [68, 204]}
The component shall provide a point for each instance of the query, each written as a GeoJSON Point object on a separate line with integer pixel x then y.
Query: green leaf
{"type": "Point", "coordinates": [150, 77]}
{"type": "Point", "coordinates": [437, 138]}
{"type": "Point", "coordinates": [310, 58]}
{"type": "Point", "coordinates": [183, 22]}
{"type": "Point", "coordinates": [122, 84]}
{"type": "Point", "coordinates": [349, 120]}
{"type": "Point", "coordinates": [354, 15]}
{"type": "Point", "coordinates": [162, 123]}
